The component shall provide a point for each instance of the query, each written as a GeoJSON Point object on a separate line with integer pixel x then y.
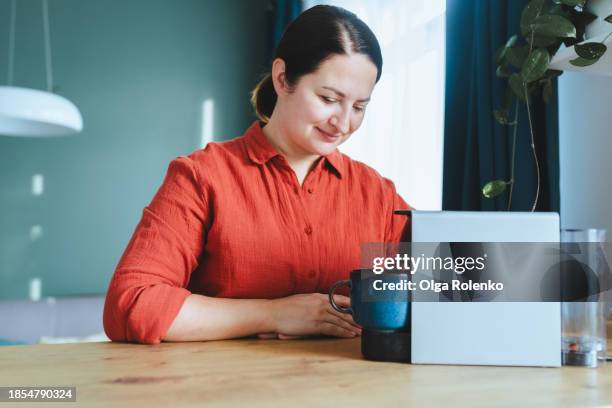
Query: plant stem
{"type": "Point", "coordinates": [606, 37]}
{"type": "Point", "coordinates": [513, 154]}
{"type": "Point", "coordinates": [535, 156]}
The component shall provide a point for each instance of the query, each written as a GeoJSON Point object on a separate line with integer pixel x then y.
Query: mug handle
{"type": "Point", "coordinates": [347, 310]}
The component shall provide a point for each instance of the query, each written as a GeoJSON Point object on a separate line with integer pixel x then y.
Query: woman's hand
{"type": "Point", "coordinates": [310, 314]}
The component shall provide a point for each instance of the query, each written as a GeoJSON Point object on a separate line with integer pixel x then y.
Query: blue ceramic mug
{"type": "Point", "coordinates": [376, 301]}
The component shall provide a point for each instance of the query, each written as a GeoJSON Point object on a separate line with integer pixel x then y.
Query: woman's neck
{"type": "Point", "coordinates": [300, 161]}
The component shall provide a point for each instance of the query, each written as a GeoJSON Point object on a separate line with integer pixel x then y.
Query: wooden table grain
{"type": "Point", "coordinates": [308, 372]}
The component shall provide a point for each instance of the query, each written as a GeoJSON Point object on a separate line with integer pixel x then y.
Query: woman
{"type": "Point", "coordinates": [245, 237]}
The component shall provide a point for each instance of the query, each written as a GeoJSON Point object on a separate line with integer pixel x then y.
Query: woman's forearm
{"type": "Point", "coordinates": [208, 318]}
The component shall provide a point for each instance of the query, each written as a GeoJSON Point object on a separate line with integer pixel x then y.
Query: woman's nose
{"type": "Point", "coordinates": [341, 121]}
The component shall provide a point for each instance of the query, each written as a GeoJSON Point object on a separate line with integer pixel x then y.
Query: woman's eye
{"type": "Point", "coordinates": [327, 99]}
{"type": "Point", "coordinates": [359, 108]}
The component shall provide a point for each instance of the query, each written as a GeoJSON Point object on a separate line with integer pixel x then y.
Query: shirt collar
{"type": "Point", "coordinates": [260, 150]}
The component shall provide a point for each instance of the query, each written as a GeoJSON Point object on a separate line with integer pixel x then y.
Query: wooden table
{"type": "Point", "coordinates": [312, 372]}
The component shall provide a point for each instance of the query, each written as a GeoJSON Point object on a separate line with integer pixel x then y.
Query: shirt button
{"type": "Point", "coordinates": [310, 190]}
{"type": "Point", "coordinates": [308, 230]}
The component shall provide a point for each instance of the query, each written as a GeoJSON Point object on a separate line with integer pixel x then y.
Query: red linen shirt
{"type": "Point", "coordinates": [232, 221]}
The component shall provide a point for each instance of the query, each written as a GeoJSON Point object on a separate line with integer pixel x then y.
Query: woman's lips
{"type": "Point", "coordinates": [328, 137]}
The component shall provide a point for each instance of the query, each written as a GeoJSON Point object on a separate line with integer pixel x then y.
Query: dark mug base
{"type": "Point", "coordinates": [386, 345]}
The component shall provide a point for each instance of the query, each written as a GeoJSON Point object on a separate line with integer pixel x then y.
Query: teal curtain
{"type": "Point", "coordinates": [476, 148]}
{"type": "Point", "coordinates": [282, 12]}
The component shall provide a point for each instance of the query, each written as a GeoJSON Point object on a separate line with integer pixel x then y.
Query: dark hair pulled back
{"type": "Point", "coordinates": [315, 35]}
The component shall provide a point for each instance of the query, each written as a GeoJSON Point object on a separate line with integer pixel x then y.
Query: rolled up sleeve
{"type": "Point", "coordinates": [148, 287]}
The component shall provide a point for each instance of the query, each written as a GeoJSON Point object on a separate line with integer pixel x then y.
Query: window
{"type": "Point", "coordinates": [402, 134]}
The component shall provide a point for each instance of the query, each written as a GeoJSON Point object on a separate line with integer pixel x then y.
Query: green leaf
{"type": "Point", "coordinates": [590, 50]}
{"type": "Point", "coordinates": [557, 9]}
{"type": "Point", "coordinates": [535, 65]}
{"type": "Point", "coordinates": [554, 26]}
{"type": "Point", "coordinates": [517, 85]}
{"type": "Point", "coordinates": [502, 72]}
{"type": "Point", "coordinates": [502, 52]}
{"type": "Point", "coordinates": [541, 41]}
{"type": "Point", "coordinates": [547, 90]}
{"type": "Point", "coordinates": [501, 116]}
{"type": "Point", "coordinates": [517, 55]}
{"type": "Point", "coordinates": [511, 41]}
{"type": "Point", "coordinates": [531, 11]}
{"type": "Point", "coordinates": [494, 188]}
{"type": "Point", "coordinates": [573, 3]}
{"type": "Point", "coordinates": [583, 62]}
{"type": "Point", "coordinates": [609, 18]}
{"type": "Point", "coordinates": [551, 73]}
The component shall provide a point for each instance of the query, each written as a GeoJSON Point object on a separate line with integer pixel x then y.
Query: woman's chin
{"type": "Point", "coordinates": [323, 149]}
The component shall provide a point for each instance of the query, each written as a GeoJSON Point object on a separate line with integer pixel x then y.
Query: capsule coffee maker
{"type": "Point", "coordinates": [386, 345]}
{"type": "Point", "coordinates": [383, 314]}
{"type": "Point", "coordinates": [391, 345]}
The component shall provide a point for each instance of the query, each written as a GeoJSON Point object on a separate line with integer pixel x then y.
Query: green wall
{"type": "Point", "coordinates": [139, 71]}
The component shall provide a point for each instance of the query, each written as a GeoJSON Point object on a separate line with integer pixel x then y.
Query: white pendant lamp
{"type": "Point", "coordinates": [31, 112]}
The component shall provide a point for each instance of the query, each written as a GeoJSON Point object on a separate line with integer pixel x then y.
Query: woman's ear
{"type": "Point", "coordinates": [278, 77]}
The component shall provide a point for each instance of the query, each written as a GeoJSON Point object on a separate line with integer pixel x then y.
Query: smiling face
{"type": "Point", "coordinates": [325, 107]}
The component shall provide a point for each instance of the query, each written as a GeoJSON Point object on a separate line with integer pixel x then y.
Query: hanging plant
{"type": "Point", "coordinates": [523, 62]}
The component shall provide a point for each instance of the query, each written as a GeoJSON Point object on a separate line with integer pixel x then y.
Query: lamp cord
{"type": "Point", "coordinates": [49, 69]}
{"type": "Point", "coordinates": [11, 47]}
{"type": "Point", "coordinates": [47, 40]}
